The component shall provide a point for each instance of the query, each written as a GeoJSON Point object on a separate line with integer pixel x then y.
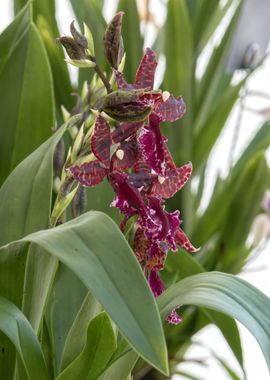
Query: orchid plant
{"type": "Point", "coordinates": [82, 297]}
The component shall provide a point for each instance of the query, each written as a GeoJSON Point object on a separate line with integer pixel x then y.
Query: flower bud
{"type": "Point", "coordinates": [79, 202]}
{"type": "Point", "coordinates": [78, 37]}
{"type": "Point", "coordinates": [113, 41]}
{"type": "Point", "coordinates": [90, 40]}
{"type": "Point", "coordinates": [59, 157]}
{"type": "Point", "coordinates": [126, 106]}
{"type": "Point", "coordinates": [73, 49]}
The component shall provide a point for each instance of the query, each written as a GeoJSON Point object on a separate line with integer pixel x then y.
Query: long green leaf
{"type": "Point", "coordinates": [121, 368]}
{"type": "Point", "coordinates": [77, 334]}
{"type": "Point", "coordinates": [100, 345]}
{"type": "Point", "coordinates": [93, 247]}
{"type": "Point", "coordinates": [187, 266]}
{"type": "Point", "coordinates": [227, 294]}
{"type": "Point", "coordinates": [23, 279]}
{"type": "Point", "coordinates": [133, 42]}
{"type": "Point", "coordinates": [14, 324]}
{"type": "Point", "coordinates": [27, 108]}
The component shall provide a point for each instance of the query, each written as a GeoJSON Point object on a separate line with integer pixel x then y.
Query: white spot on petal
{"type": "Point", "coordinates": [120, 154]}
{"type": "Point", "coordinates": [165, 95]}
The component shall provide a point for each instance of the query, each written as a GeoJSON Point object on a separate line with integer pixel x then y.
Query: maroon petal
{"type": "Point", "coordinates": [142, 179]}
{"type": "Point", "coordinates": [175, 180]}
{"type": "Point", "coordinates": [89, 174]}
{"type": "Point", "coordinates": [101, 141]}
{"type": "Point", "coordinates": [146, 72]}
{"type": "Point", "coordinates": [152, 145]}
{"type": "Point", "coordinates": [128, 150]}
{"type": "Point", "coordinates": [156, 257]}
{"type": "Point", "coordinates": [124, 131]}
{"type": "Point", "coordinates": [156, 284]}
{"type": "Point", "coordinates": [141, 246]}
{"type": "Point", "coordinates": [128, 199]}
{"type": "Point", "coordinates": [182, 240]}
{"type": "Point", "coordinates": [121, 82]}
{"type": "Point", "coordinates": [171, 110]}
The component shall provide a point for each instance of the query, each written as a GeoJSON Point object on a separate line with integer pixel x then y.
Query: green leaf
{"type": "Point", "coordinates": [26, 81]}
{"type": "Point", "coordinates": [212, 127]}
{"type": "Point", "coordinates": [121, 368]}
{"type": "Point", "coordinates": [227, 294]}
{"type": "Point", "coordinates": [187, 266]}
{"type": "Point", "coordinates": [107, 266]}
{"type": "Point", "coordinates": [22, 199]}
{"type": "Point", "coordinates": [67, 295]}
{"type": "Point", "coordinates": [179, 72]}
{"type": "Point", "coordinates": [77, 334]}
{"type": "Point", "coordinates": [14, 324]}
{"type": "Point", "coordinates": [100, 345]}
{"type": "Point", "coordinates": [207, 87]}
{"type": "Point", "coordinates": [133, 42]}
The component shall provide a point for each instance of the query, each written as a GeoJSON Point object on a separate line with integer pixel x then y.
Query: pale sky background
{"type": "Point", "coordinates": [258, 273]}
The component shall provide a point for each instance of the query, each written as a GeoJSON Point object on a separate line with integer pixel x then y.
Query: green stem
{"type": "Point", "coordinates": [101, 75]}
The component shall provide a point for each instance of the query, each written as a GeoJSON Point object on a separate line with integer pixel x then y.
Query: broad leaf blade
{"type": "Point", "coordinates": [93, 247]}
{"type": "Point", "coordinates": [227, 294]}
{"type": "Point", "coordinates": [14, 324]}
{"type": "Point", "coordinates": [99, 348]}
{"type": "Point", "coordinates": [28, 105]}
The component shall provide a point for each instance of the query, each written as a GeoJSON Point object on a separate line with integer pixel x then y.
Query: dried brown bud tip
{"type": "Point", "coordinates": [78, 37]}
{"type": "Point", "coordinates": [113, 41]}
{"type": "Point", "coordinates": [73, 49]}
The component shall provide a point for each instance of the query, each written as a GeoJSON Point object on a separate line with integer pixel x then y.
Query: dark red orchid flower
{"type": "Point", "coordinates": [135, 159]}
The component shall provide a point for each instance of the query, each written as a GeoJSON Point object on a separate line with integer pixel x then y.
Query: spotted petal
{"type": "Point", "coordinates": [152, 145]}
{"type": "Point", "coordinates": [124, 131]}
{"type": "Point", "coordinates": [126, 155]}
{"type": "Point", "coordinates": [89, 173]}
{"type": "Point", "coordinates": [146, 72]}
{"type": "Point", "coordinates": [121, 82]}
{"type": "Point", "coordinates": [183, 241]}
{"type": "Point", "coordinates": [172, 109]}
{"type": "Point", "coordinates": [175, 180]}
{"type": "Point", "coordinates": [101, 141]}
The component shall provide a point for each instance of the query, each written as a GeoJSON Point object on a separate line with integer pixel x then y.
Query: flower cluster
{"type": "Point", "coordinates": [136, 160]}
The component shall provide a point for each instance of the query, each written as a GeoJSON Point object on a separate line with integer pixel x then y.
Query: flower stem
{"type": "Point", "coordinates": [101, 75]}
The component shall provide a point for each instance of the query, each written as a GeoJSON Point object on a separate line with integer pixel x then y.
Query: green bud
{"type": "Point", "coordinates": [61, 205]}
{"type": "Point", "coordinates": [77, 144]}
{"type": "Point", "coordinates": [113, 41]}
{"type": "Point", "coordinates": [129, 113]}
{"type": "Point", "coordinates": [90, 40]}
{"type": "Point", "coordinates": [78, 37]}
{"type": "Point", "coordinates": [125, 106]}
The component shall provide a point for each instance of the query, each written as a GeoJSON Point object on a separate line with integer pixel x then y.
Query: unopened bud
{"type": "Point", "coordinates": [113, 42]}
{"type": "Point", "coordinates": [78, 37]}
{"type": "Point", "coordinates": [120, 154]}
{"type": "Point", "coordinates": [65, 114]}
{"type": "Point", "coordinates": [59, 157]}
{"type": "Point", "coordinates": [77, 144]}
{"type": "Point", "coordinates": [79, 202]}
{"type": "Point", "coordinates": [90, 40]}
{"type": "Point", "coordinates": [73, 49]}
